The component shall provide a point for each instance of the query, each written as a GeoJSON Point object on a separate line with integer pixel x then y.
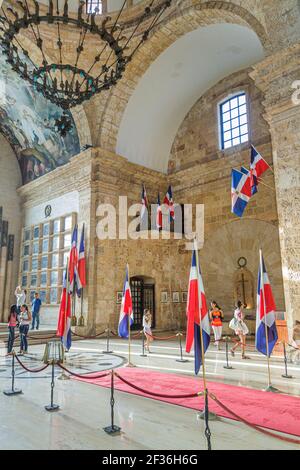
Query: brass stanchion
{"type": "Point", "coordinates": [112, 429]}
{"type": "Point", "coordinates": [13, 390]}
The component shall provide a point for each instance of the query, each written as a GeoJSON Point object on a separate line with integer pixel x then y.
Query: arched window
{"type": "Point", "coordinates": [92, 5]}
{"type": "Point", "coordinates": [234, 127]}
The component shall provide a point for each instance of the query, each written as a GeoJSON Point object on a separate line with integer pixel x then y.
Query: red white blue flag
{"type": "Point", "coordinates": [126, 309]}
{"type": "Point", "coordinates": [73, 260]}
{"type": "Point", "coordinates": [158, 214]}
{"type": "Point", "coordinates": [253, 179]}
{"type": "Point", "coordinates": [197, 303]}
{"type": "Point", "coordinates": [168, 201]}
{"type": "Point", "coordinates": [81, 266]}
{"type": "Point", "coordinates": [144, 209]}
{"type": "Point", "coordinates": [266, 331]}
{"type": "Point", "coordinates": [258, 165]}
{"type": "Point", "coordinates": [64, 315]}
{"type": "Point", "coordinates": [240, 192]}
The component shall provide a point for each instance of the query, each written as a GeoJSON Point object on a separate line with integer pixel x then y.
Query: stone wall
{"type": "Point", "coordinates": [200, 174]}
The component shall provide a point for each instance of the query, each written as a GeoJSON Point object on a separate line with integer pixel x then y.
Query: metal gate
{"type": "Point", "coordinates": [142, 297]}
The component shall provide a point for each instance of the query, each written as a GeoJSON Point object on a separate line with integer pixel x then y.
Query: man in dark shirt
{"type": "Point", "coordinates": [36, 306]}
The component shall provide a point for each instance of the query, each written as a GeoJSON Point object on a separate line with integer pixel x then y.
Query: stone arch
{"type": "Point", "coordinates": [240, 238]}
{"type": "Point", "coordinates": [178, 23]}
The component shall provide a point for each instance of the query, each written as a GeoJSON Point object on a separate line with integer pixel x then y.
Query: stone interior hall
{"type": "Point", "coordinates": [149, 225]}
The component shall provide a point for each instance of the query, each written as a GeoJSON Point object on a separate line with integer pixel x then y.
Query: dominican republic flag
{"type": "Point", "coordinates": [158, 214]}
{"type": "Point", "coordinates": [265, 312]}
{"type": "Point", "coordinates": [126, 308]}
{"type": "Point", "coordinates": [73, 260]}
{"type": "Point", "coordinates": [168, 201]}
{"type": "Point", "coordinates": [240, 192]}
{"type": "Point", "coordinates": [254, 182]}
{"type": "Point", "coordinates": [194, 304]}
{"type": "Point", "coordinates": [81, 266]}
{"type": "Point", "coordinates": [258, 165]}
{"type": "Point", "coordinates": [64, 315]}
{"type": "Point", "coordinates": [144, 209]}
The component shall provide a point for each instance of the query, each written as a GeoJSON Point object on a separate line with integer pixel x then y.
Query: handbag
{"type": "Point", "coordinates": [233, 324]}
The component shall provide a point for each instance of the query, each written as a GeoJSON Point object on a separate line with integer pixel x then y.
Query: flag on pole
{"type": "Point", "coordinates": [73, 260]}
{"type": "Point", "coordinates": [253, 179]}
{"type": "Point", "coordinates": [197, 302]}
{"type": "Point", "coordinates": [240, 192]}
{"type": "Point", "coordinates": [258, 165]}
{"type": "Point", "coordinates": [168, 201]}
{"type": "Point", "coordinates": [265, 312]}
{"type": "Point", "coordinates": [81, 267]}
{"type": "Point", "coordinates": [144, 209]}
{"type": "Point", "coordinates": [126, 308]}
{"type": "Point", "coordinates": [64, 315]}
{"type": "Point", "coordinates": [158, 214]}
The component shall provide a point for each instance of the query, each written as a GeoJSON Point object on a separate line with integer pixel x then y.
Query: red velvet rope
{"type": "Point", "coordinates": [88, 337]}
{"type": "Point", "coordinates": [84, 376]}
{"type": "Point", "coordinates": [156, 394]}
{"type": "Point", "coordinates": [254, 426]}
{"type": "Point", "coordinates": [31, 370]}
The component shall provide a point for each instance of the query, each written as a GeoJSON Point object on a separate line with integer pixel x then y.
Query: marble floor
{"type": "Point", "coordinates": [146, 424]}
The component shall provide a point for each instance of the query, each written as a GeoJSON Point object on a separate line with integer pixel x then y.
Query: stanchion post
{"type": "Point", "coordinates": [107, 341]}
{"type": "Point", "coordinates": [13, 391]}
{"type": "Point", "coordinates": [286, 375]}
{"type": "Point", "coordinates": [112, 429]}
{"type": "Point", "coordinates": [206, 417]}
{"type": "Point", "coordinates": [52, 406]}
{"type": "Point", "coordinates": [143, 344]}
{"type": "Point", "coordinates": [180, 348]}
{"type": "Point", "coordinates": [227, 361]}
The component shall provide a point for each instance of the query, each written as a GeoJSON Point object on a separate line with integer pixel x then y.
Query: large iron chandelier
{"type": "Point", "coordinates": [77, 54]}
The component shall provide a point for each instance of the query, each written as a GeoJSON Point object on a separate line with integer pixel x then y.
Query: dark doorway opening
{"type": "Point", "coordinates": [143, 296]}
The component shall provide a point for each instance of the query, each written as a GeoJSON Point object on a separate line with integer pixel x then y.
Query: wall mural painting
{"type": "Point", "coordinates": [27, 120]}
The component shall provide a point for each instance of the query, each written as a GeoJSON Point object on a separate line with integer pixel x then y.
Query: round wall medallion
{"type": "Point", "coordinates": [242, 262]}
{"type": "Point", "coordinates": [48, 210]}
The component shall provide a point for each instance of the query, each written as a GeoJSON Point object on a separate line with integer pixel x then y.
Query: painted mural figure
{"type": "Point", "coordinates": [27, 120]}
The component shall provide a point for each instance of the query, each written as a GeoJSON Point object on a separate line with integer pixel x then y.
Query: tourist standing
{"type": "Point", "coordinates": [147, 323]}
{"type": "Point", "coordinates": [21, 297]}
{"type": "Point", "coordinates": [240, 328]}
{"type": "Point", "coordinates": [216, 317]}
{"type": "Point", "coordinates": [12, 323]}
{"type": "Point", "coordinates": [36, 307]}
{"type": "Point", "coordinates": [24, 318]}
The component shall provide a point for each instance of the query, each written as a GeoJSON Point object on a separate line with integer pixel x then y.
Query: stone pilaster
{"type": "Point", "coordinates": [275, 77]}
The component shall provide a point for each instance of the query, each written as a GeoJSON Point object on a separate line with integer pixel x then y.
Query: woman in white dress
{"type": "Point", "coordinates": [147, 322]}
{"type": "Point", "coordinates": [240, 329]}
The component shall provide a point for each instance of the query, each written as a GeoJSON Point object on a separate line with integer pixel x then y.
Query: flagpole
{"type": "Point", "coordinates": [63, 375]}
{"type": "Point", "coordinates": [199, 306]}
{"type": "Point", "coordinates": [129, 337]}
{"type": "Point", "coordinates": [270, 388]}
{"type": "Point", "coordinates": [260, 181]}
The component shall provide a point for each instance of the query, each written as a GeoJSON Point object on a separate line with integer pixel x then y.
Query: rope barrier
{"type": "Point", "coordinates": [191, 395]}
{"type": "Point", "coordinates": [254, 426]}
{"type": "Point", "coordinates": [88, 337]}
{"type": "Point", "coordinates": [31, 370]}
{"type": "Point", "coordinates": [83, 376]}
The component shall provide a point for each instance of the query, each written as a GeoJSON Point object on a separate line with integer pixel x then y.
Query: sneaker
{"type": "Point", "coordinates": [245, 357]}
{"type": "Point", "coordinates": [232, 352]}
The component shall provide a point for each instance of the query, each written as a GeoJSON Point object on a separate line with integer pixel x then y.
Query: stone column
{"type": "Point", "coordinates": [9, 288]}
{"type": "Point", "coordinates": [276, 77]}
{"type": "Point", "coordinates": [3, 266]}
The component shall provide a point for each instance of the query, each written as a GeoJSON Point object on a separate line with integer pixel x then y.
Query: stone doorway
{"type": "Point", "coordinates": [143, 296]}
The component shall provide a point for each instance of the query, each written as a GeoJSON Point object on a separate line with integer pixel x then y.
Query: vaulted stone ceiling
{"type": "Point", "coordinates": [174, 82]}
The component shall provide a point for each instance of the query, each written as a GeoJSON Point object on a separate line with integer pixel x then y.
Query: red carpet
{"type": "Point", "coordinates": [269, 410]}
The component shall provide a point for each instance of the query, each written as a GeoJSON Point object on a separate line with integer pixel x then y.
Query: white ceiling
{"type": "Point", "coordinates": [174, 82]}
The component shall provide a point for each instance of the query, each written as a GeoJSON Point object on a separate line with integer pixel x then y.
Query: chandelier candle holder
{"type": "Point", "coordinates": [76, 55]}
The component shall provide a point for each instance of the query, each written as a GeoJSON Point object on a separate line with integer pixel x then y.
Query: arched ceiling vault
{"type": "Point", "coordinates": [174, 82]}
{"type": "Point", "coordinates": [185, 17]}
